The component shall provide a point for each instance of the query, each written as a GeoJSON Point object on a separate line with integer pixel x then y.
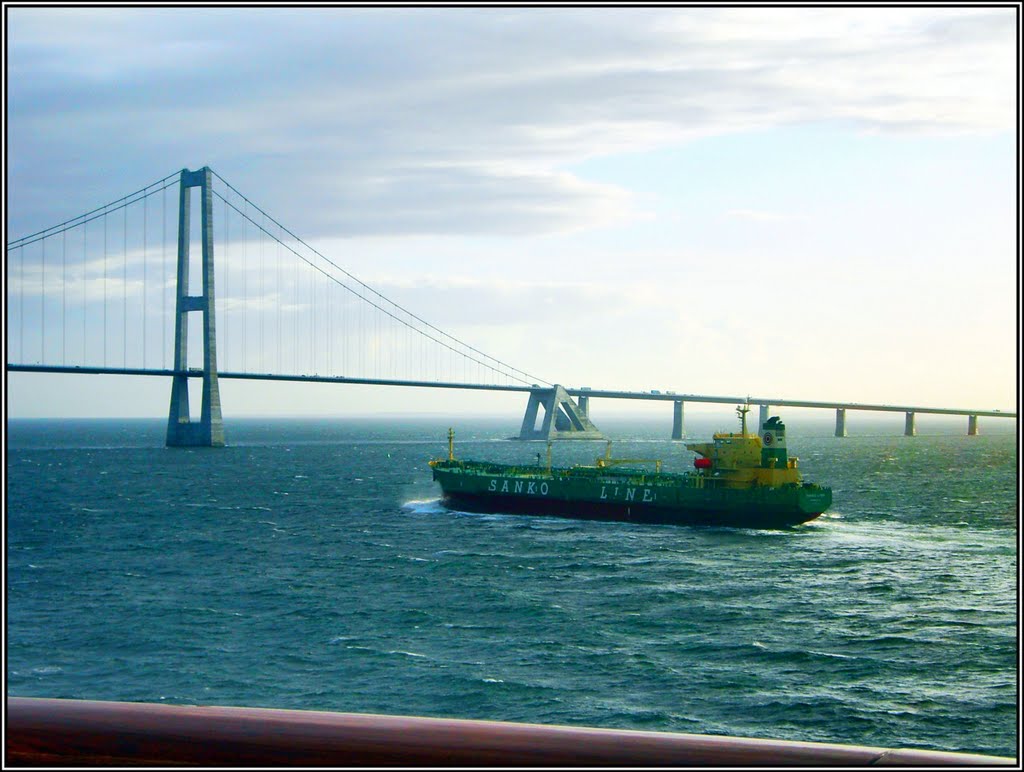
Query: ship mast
{"type": "Point", "coordinates": [742, 411]}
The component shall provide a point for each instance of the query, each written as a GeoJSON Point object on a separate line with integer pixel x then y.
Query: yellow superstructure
{"type": "Point", "coordinates": [747, 460]}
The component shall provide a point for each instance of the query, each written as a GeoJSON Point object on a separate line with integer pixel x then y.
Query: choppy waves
{"type": "Point", "coordinates": [328, 577]}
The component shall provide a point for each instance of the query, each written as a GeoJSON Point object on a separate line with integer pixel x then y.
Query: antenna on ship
{"type": "Point", "coordinates": [741, 411]}
{"type": "Point", "coordinates": [451, 444]}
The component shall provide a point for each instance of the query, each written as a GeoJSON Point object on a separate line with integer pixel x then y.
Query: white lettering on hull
{"type": "Point", "coordinates": [542, 489]}
{"type": "Point", "coordinates": [518, 486]}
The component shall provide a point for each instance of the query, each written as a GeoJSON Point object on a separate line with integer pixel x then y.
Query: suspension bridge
{"type": "Point", "coordinates": [112, 291]}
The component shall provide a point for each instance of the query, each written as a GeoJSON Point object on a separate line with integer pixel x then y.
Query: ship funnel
{"type": "Point", "coordinates": [773, 443]}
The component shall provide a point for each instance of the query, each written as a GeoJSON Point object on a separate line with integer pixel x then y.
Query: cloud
{"type": "Point", "coordinates": [460, 121]}
{"type": "Point", "coordinates": [760, 216]}
{"type": "Point", "coordinates": [455, 301]}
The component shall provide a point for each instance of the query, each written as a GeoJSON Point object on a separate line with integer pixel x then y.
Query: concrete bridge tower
{"type": "Point", "coordinates": [181, 430]}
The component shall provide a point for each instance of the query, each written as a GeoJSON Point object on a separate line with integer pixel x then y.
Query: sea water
{"type": "Point", "coordinates": [310, 565]}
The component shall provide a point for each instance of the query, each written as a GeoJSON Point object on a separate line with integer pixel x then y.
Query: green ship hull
{"type": "Point", "coordinates": [628, 495]}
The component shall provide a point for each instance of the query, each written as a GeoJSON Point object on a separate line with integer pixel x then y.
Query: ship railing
{"type": "Point", "coordinates": [60, 733]}
{"type": "Point", "coordinates": [625, 476]}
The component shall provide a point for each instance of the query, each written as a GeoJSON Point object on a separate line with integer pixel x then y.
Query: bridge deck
{"type": "Point", "coordinates": [590, 393]}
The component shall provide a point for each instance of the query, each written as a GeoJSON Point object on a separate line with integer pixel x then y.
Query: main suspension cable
{"type": "Point", "coordinates": [378, 294]}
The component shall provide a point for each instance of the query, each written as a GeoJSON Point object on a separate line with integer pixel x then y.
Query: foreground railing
{"type": "Point", "coordinates": [50, 732]}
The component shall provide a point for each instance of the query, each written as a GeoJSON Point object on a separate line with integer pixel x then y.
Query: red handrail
{"type": "Point", "coordinates": [64, 732]}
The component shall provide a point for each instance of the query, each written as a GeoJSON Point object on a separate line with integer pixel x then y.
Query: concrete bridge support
{"type": "Point", "coordinates": [762, 415]}
{"type": "Point", "coordinates": [563, 418]}
{"type": "Point", "coordinates": [678, 428]}
{"type": "Point", "coordinates": [909, 428]}
{"type": "Point", "coordinates": [584, 404]}
{"type": "Point", "coordinates": [840, 422]}
{"type": "Point", "coordinates": [972, 426]}
{"type": "Point", "coordinates": [181, 431]}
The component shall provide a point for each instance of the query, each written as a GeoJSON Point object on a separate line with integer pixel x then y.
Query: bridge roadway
{"type": "Point", "coordinates": [576, 392]}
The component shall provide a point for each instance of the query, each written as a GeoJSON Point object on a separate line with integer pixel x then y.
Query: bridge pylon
{"type": "Point", "coordinates": [563, 418]}
{"type": "Point", "coordinates": [181, 430]}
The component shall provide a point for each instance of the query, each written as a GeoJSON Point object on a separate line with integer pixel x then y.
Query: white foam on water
{"type": "Point", "coordinates": [425, 506]}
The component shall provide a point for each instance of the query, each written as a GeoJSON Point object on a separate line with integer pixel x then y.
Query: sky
{"type": "Point", "coordinates": [809, 203]}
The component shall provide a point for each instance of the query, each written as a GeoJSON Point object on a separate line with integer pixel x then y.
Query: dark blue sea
{"type": "Point", "coordinates": [309, 565]}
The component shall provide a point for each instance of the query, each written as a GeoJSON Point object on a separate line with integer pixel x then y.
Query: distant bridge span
{"type": "Point", "coordinates": [99, 289]}
{"type": "Point", "coordinates": [541, 393]}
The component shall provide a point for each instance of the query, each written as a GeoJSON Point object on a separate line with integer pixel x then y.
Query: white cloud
{"type": "Point", "coordinates": [462, 120]}
{"type": "Point", "coordinates": [467, 163]}
{"type": "Point", "coordinates": [758, 215]}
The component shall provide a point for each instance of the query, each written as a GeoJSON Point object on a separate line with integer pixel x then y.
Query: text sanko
{"type": "Point", "coordinates": [531, 488]}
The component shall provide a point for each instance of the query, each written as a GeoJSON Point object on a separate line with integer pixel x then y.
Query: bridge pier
{"type": "Point", "coordinates": [181, 431]}
{"type": "Point", "coordinates": [972, 426]}
{"type": "Point", "coordinates": [909, 428]}
{"type": "Point", "coordinates": [678, 431]}
{"type": "Point", "coordinates": [762, 415]}
{"type": "Point", "coordinates": [584, 405]}
{"type": "Point", "coordinates": [563, 418]}
{"type": "Point", "coordinates": [840, 422]}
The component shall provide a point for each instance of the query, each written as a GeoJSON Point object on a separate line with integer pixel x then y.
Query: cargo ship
{"type": "Point", "coordinates": [740, 480]}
